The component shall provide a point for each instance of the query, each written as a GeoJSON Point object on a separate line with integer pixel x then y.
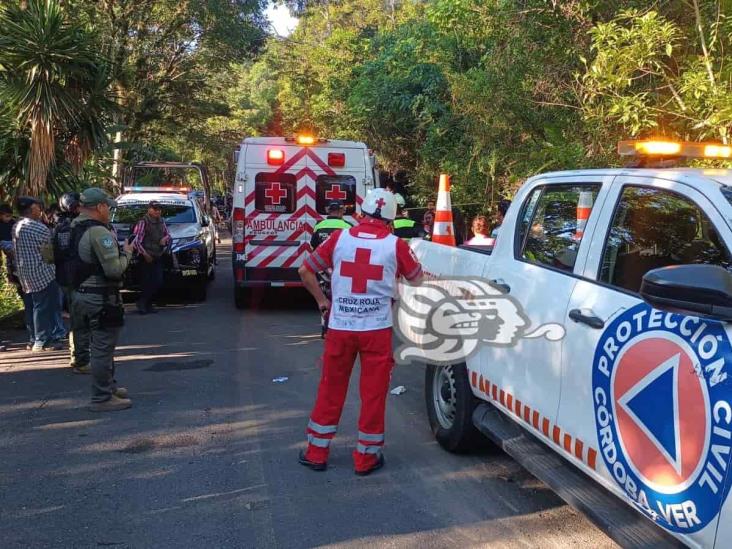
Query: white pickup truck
{"type": "Point", "coordinates": [635, 393]}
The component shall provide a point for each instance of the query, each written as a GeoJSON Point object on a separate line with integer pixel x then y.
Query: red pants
{"type": "Point", "coordinates": [341, 348]}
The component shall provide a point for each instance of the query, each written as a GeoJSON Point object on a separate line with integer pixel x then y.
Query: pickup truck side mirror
{"type": "Point", "coordinates": [205, 222]}
{"type": "Point", "coordinates": [698, 290]}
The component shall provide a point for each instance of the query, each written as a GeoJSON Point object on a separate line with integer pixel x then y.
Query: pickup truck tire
{"type": "Point", "coordinates": [212, 266]}
{"type": "Point", "coordinates": [450, 404]}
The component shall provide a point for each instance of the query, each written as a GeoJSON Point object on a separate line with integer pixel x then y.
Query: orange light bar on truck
{"type": "Point", "coordinates": [717, 151]}
{"type": "Point", "coordinates": [275, 157]}
{"type": "Point", "coordinates": [668, 148]}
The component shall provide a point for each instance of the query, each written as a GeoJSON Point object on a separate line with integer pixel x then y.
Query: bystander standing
{"type": "Point", "coordinates": [37, 275]}
{"type": "Point", "coordinates": [151, 239]}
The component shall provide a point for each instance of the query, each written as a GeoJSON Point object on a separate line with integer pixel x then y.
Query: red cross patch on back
{"type": "Point", "coordinates": [360, 271]}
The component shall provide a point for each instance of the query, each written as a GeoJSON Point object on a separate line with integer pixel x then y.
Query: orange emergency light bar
{"type": "Point", "coordinates": [669, 148]}
{"type": "Point", "coordinates": [305, 140]}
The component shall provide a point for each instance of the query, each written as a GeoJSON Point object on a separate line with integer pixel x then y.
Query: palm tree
{"type": "Point", "coordinates": [55, 82]}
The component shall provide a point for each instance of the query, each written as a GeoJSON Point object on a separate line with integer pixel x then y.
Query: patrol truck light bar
{"type": "Point", "coordinates": [674, 149]}
{"type": "Point", "coordinates": [180, 190]}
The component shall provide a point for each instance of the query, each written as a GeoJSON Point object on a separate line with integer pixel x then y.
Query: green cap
{"type": "Point", "coordinates": [95, 196]}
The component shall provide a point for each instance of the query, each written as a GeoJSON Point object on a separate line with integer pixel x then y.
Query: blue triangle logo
{"type": "Point", "coordinates": [651, 402]}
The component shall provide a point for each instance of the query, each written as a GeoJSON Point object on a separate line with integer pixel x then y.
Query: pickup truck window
{"type": "Point", "coordinates": [655, 228]}
{"type": "Point", "coordinates": [552, 224]}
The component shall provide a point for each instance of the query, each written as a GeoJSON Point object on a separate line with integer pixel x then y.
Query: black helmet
{"type": "Point", "coordinates": [69, 202]}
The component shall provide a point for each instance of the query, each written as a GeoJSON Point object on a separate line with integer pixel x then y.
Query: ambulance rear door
{"type": "Point", "coordinates": [279, 213]}
{"type": "Point", "coordinates": [339, 173]}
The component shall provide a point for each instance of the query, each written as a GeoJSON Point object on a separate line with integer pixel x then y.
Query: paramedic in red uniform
{"type": "Point", "coordinates": [366, 260]}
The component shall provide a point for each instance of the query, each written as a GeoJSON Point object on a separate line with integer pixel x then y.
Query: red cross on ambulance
{"type": "Point", "coordinates": [336, 193]}
{"type": "Point", "coordinates": [275, 193]}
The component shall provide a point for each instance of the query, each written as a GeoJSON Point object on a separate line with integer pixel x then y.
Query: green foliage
{"type": "Point", "coordinates": [53, 92]}
{"type": "Point", "coordinates": [656, 73]}
{"type": "Point", "coordinates": [489, 91]}
{"type": "Point", "coordinates": [493, 91]}
{"type": "Point", "coordinates": [154, 76]}
{"type": "Point", "coordinates": [10, 303]}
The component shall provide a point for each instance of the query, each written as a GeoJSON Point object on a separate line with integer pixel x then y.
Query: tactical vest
{"type": "Point", "coordinates": [78, 270]}
{"type": "Point", "coordinates": [62, 251]}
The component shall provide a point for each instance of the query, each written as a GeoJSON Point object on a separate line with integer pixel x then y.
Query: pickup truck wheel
{"type": "Point", "coordinates": [212, 267]}
{"type": "Point", "coordinates": [450, 405]}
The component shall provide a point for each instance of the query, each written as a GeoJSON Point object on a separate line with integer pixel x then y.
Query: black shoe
{"type": "Point", "coordinates": [378, 465]}
{"type": "Point", "coordinates": [311, 464]}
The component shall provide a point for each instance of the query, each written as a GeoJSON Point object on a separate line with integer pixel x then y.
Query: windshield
{"type": "Point", "coordinates": [172, 213]}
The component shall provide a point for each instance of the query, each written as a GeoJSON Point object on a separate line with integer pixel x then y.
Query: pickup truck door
{"type": "Point", "coordinates": [537, 251]}
{"type": "Point", "coordinates": [642, 390]}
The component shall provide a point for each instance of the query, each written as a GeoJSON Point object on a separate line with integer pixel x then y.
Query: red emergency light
{"type": "Point", "coordinates": [337, 160]}
{"type": "Point", "coordinates": [275, 157]}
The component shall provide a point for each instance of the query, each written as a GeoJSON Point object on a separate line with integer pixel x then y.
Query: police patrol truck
{"type": "Point", "coordinates": [282, 189]}
{"type": "Point", "coordinates": [631, 270]}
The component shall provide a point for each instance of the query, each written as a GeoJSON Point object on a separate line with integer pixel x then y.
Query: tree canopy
{"type": "Point", "coordinates": [489, 91]}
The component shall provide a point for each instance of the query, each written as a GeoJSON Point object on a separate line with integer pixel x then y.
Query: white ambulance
{"type": "Point", "coordinates": [599, 343]}
{"type": "Point", "coordinates": [282, 188]}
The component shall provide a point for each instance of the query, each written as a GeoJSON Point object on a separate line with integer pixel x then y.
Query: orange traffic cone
{"type": "Point", "coordinates": [443, 231]}
{"type": "Point", "coordinates": [584, 207]}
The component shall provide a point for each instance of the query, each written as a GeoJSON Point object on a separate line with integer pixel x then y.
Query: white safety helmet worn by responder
{"type": "Point", "coordinates": [381, 204]}
{"type": "Point", "coordinates": [400, 200]}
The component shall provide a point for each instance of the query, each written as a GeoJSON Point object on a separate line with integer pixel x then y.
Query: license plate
{"type": "Point", "coordinates": [190, 272]}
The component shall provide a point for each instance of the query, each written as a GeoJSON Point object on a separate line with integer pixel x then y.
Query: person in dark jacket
{"type": "Point", "coordinates": [150, 241]}
{"type": "Point", "coordinates": [405, 227]}
{"type": "Point", "coordinates": [330, 224]}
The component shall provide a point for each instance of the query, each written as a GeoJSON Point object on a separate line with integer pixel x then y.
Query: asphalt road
{"type": "Point", "coordinates": [207, 455]}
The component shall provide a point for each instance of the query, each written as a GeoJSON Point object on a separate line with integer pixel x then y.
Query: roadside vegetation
{"type": "Point", "coordinates": [486, 90]}
{"type": "Point", "coordinates": [10, 303]}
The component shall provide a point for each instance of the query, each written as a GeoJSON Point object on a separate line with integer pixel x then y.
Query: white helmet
{"type": "Point", "coordinates": [400, 200]}
{"type": "Point", "coordinates": [381, 204]}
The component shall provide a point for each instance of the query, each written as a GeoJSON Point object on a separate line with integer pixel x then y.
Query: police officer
{"type": "Point", "coordinates": [405, 227]}
{"type": "Point", "coordinates": [333, 222]}
{"type": "Point", "coordinates": [96, 304]}
{"type": "Point", "coordinates": [69, 206]}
